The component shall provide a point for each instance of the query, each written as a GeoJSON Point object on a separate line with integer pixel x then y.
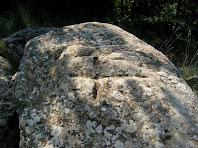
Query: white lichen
{"type": "Point", "coordinates": [118, 144]}
{"type": "Point", "coordinates": [99, 129]}
{"type": "Point", "coordinates": [117, 95]}
{"type": "Point", "coordinates": [138, 49]}
{"type": "Point", "coordinates": [29, 129]}
{"type": "Point", "coordinates": [163, 74]}
{"type": "Point", "coordinates": [71, 96]}
{"type": "Point", "coordinates": [103, 109]}
{"type": "Point", "coordinates": [195, 137]}
{"type": "Point", "coordinates": [131, 128]}
{"type": "Point", "coordinates": [114, 137]}
{"type": "Point", "coordinates": [30, 122]}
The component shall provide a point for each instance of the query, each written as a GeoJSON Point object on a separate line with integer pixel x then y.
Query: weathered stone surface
{"type": "Point", "coordinates": [11, 51]}
{"type": "Point", "coordinates": [5, 67]}
{"type": "Point", "coordinates": [6, 102]}
{"type": "Point", "coordinates": [4, 82]}
{"type": "Point", "coordinates": [96, 85]}
{"type": "Point", "coordinates": [9, 123]}
{"type": "Point", "coordinates": [16, 42]}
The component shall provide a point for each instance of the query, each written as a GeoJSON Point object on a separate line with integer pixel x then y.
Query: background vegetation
{"type": "Point", "coordinates": [169, 25]}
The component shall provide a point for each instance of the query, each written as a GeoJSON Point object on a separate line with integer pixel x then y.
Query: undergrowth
{"type": "Point", "coordinates": [188, 72]}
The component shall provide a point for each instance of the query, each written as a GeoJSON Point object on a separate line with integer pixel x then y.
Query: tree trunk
{"type": "Point", "coordinates": [132, 8]}
{"type": "Point", "coordinates": [178, 7]}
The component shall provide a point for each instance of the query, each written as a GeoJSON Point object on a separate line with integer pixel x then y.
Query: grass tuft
{"type": "Point", "coordinates": [188, 72]}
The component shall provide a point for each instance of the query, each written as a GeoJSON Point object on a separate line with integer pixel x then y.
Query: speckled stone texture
{"type": "Point", "coordinates": [11, 54]}
{"type": "Point", "coordinates": [96, 85]}
{"type": "Point", "coordinates": [17, 41]}
{"type": "Point", "coordinates": [5, 67]}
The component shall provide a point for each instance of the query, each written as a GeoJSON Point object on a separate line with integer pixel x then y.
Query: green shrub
{"type": "Point", "coordinates": [7, 24]}
{"type": "Point", "coordinates": [189, 71]}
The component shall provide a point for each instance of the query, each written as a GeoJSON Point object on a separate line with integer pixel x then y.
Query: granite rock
{"type": "Point", "coordinates": [5, 67]}
{"type": "Point", "coordinates": [96, 85]}
{"type": "Point", "coordinates": [9, 123]}
{"type": "Point", "coordinates": [11, 51]}
{"type": "Point", "coordinates": [6, 102]}
{"type": "Point", "coordinates": [16, 42]}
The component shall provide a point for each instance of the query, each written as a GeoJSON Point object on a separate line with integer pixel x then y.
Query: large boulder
{"type": "Point", "coordinates": [11, 52]}
{"type": "Point", "coordinates": [12, 46]}
{"type": "Point", "coordinates": [16, 41]}
{"type": "Point", "coordinates": [96, 85]}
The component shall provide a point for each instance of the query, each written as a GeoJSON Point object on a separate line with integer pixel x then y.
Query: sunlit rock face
{"type": "Point", "coordinates": [96, 85]}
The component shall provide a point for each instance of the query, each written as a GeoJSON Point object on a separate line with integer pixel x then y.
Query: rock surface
{"type": "Point", "coordinates": [15, 43]}
{"type": "Point", "coordinates": [5, 67]}
{"type": "Point", "coordinates": [9, 123]}
{"type": "Point", "coordinates": [11, 51]}
{"type": "Point", "coordinates": [96, 85]}
{"type": "Point", "coordinates": [17, 40]}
